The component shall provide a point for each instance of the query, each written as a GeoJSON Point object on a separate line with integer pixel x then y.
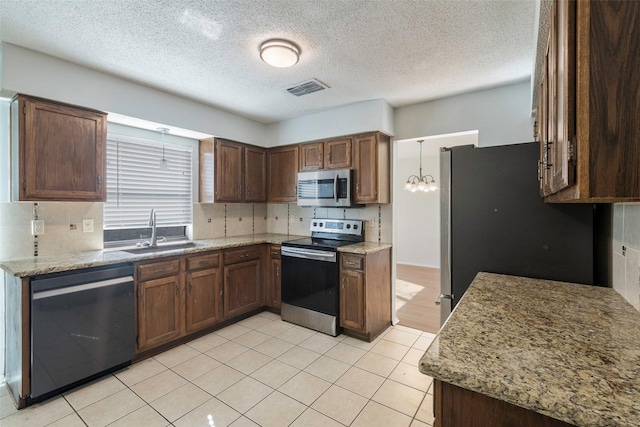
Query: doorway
{"type": "Point", "coordinates": [416, 230]}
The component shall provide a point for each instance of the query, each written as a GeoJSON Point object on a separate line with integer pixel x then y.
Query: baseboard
{"type": "Point", "coordinates": [417, 265]}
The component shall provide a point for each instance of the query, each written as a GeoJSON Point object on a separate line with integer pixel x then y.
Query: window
{"type": "Point", "coordinates": [142, 175]}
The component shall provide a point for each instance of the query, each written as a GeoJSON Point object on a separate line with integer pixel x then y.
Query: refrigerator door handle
{"type": "Point", "coordinates": [446, 296]}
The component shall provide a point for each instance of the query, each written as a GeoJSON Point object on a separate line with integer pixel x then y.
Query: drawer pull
{"type": "Point", "coordinates": [159, 270]}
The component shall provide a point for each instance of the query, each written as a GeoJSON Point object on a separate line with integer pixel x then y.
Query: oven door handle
{"type": "Point", "coordinates": [317, 255]}
{"type": "Point", "coordinates": [335, 187]}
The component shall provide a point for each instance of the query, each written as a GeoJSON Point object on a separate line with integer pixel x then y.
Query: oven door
{"type": "Point", "coordinates": [310, 279]}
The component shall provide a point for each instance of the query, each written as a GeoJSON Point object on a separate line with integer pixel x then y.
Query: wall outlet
{"type": "Point", "coordinates": [87, 225]}
{"type": "Point", "coordinates": [370, 223]}
{"type": "Point", "coordinates": [292, 219]}
{"type": "Point", "coordinates": [37, 227]}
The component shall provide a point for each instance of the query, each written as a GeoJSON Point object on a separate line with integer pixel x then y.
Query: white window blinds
{"type": "Point", "coordinates": [137, 182]}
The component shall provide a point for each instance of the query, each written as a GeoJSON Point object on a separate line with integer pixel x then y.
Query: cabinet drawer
{"type": "Point", "coordinates": [352, 262]}
{"type": "Point", "coordinates": [274, 251]}
{"type": "Point", "coordinates": [198, 262]}
{"type": "Point", "coordinates": [157, 269]}
{"type": "Point", "coordinates": [242, 254]}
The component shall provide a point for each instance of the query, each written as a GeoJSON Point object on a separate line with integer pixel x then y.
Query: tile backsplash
{"type": "Point", "coordinates": [626, 251]}
{"type": "Point", "coordinates": [63, 224]}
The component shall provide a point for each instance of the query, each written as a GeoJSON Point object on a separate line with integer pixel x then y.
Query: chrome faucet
{"type": "Point", "coordinates": [152, 223]}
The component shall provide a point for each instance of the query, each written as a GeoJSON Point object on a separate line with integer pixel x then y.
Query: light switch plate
{"type": "Point", "coordinates": [37, 227]}
{"type": "Point", "coordinates": [87, 225]}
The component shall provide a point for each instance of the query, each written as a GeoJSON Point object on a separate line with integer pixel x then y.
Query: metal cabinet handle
{"type": "Point", "coordinates": [160, 270]}
{"type": "Point", "coordinates": [99, 179]}
{"type": "Point", "coordinates": [445, 296]}
{"type": "Point", "coordinates": [177, 289]}
{"type": "Point", "coordinates": [277, 272]}
{"type": "Point", "coordinates": [190, 287]}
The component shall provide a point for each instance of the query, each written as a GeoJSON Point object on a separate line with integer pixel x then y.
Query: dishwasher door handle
{"type": "Point", "coordinates": [80, 288]}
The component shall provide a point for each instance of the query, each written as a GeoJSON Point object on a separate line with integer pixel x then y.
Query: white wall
{"type": "Point", "coordinates": [29, 72]}
{"type": "Point", "coordinates": [502, 116]}
{"type": "Point", "coordinates": [374, 115]}
{"type": "Point", "coordinates": [417, 216]}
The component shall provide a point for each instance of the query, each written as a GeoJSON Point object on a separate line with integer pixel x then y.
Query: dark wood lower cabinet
{"type": "Point", "coordinates": [365, 293]}
{"type": "Point", "coordinates": [203, 299]}
{"type": "Point", "coordinates": [241, 288]}
{"type": "Point", "coordinates": [458, 407]}
{"type": "Point", "coordinates": [159, 311]}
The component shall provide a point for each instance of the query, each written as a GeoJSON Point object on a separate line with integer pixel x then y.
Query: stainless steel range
{"type": "Point", "coordinates": [311, 274]}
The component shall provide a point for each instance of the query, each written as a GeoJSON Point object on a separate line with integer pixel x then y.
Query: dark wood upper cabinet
{"type": "Point", "coordinates": [311, 156]}
{"type": "Point", "coordinates": [282, 166]}
{"type": "Point", "coordinates": [330, 154]}
{"type": "Point", "coordinates": [589, 98]}
{"type": "Point", "coordinates": [228, 171]}
{"type": "Point", "coordinates": [232, 172]}
{"type": "Point", "coordinates": [371, 168]}
{"type": "Point", "coordinates": [255, 174]}
{"type": "Point", "coordinates": [337, 153]}
{"type": "Point", "coordinates": [60, 150]}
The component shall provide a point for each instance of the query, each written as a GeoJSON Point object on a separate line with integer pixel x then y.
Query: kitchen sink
{"type": "Point", "coordinates": [162, 248]}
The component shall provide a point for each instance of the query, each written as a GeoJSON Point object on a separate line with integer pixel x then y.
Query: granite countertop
{"type": "Point", "coordinates": [52, 264]}
{"type": "Point", "coordinates": [34, 266]}
{"type": "Point", "coordinates": [568, 351]}
{"type": "Point", "coordinates": [364, 247]}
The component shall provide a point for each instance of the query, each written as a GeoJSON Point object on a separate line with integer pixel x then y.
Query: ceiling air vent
{"type": "Point", "coordinates": [307, 87]}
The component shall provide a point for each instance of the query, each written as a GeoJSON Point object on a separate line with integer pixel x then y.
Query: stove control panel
{"type": "Point", "coordinates": [337, 226]}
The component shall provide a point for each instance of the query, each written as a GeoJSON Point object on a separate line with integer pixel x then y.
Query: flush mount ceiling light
{"type": "Point", "coordinates": [420, 182]}
{"type": "Point", "coordinates": [279, 53]}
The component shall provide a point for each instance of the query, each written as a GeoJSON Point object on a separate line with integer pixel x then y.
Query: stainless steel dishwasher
{"type": "Point", "coordinates": [82, 325]}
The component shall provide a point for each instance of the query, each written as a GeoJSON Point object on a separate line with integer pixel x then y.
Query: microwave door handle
{"type": "Point", "coordinates": [335, 188]}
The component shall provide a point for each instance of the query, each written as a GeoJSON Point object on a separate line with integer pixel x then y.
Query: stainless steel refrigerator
{"type": "Point", "coordinates": [493, 219]}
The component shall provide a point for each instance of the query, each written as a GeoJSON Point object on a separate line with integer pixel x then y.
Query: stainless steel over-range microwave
{"type": "Point", "coordinates": [325, 188]}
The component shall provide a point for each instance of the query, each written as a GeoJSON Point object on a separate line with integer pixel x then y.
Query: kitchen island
{"type": "Point", "coordinates": [536, 352]}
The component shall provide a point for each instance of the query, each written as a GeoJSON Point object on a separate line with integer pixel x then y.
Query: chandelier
{"type": "Point", "coordinates": [420, 182]}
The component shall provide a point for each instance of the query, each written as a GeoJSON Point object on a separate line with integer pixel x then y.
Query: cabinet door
{"type": "Point", "coordinates": [366, 169]}
{"type": "Point", "coordinates": [338, 154]}
{"type": "Point", "coordinates": [159, 311]}
{"type": "Point", "coordinates": [545, 172]}
{"type": "Point", "coordinates": [352, 300]}
{"type": "Point", "coordinates": [311, 156]}
{"type": "Point", "coordinates": [283, 170]}
{"type": "Point", "coordinates": [203, 299]}
{"type": "Point", "coordinates": [228, 173]}
{"type": "Point", "coordinates": [564, 81]}
{"type": "Point", "coordinates": [241, 288]}
{"type": "Point", "coordinates": [62, 152]}
{"type": "Point", "coordinates": [255, 174]}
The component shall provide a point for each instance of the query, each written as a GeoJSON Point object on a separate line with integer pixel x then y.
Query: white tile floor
{"type": "Point", "coordinates": [258, 372]}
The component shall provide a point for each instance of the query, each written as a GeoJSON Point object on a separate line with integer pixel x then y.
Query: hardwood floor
{"type": "Point", "coordinates": [416, 291]}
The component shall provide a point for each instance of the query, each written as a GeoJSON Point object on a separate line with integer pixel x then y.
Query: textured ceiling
{"type": "Point", "coordinates": [403, 51]}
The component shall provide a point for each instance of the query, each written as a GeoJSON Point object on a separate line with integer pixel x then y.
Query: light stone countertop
{"type": "Point", "coordinates": [34, 266]}
{"type": "Point", "coordinates": [364, 247]}
{"type": "Point", "coordinates": [65, 262]}
{"type": "Point", "coordinates": [568, 351]}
